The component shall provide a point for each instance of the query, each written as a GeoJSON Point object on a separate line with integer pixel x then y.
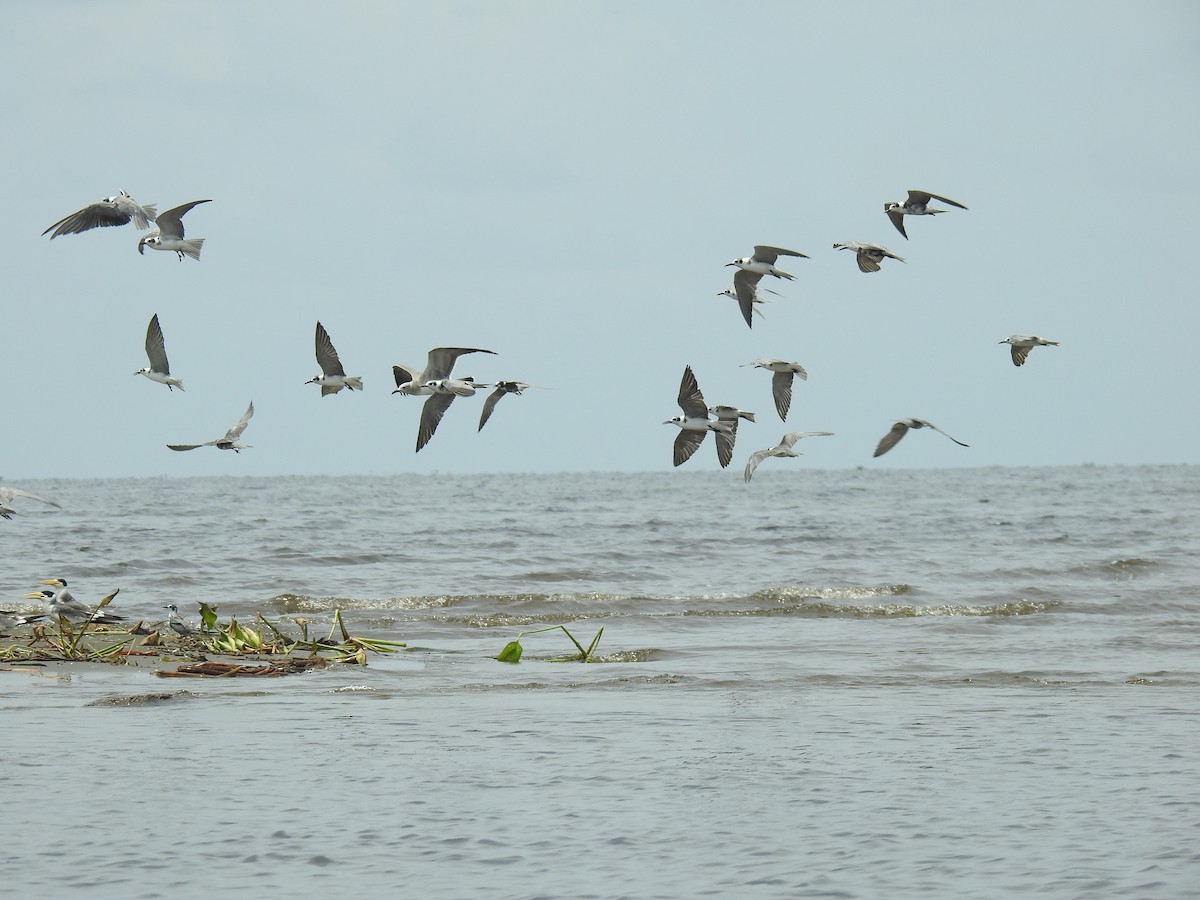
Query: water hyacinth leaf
{"type": "Point", "coordinates": [511, 652]}
{"type": "Point", "coordinates": [208, 617]}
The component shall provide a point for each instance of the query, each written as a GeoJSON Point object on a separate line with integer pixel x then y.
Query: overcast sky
{"type": "Point", "coordinates": [563, 183]}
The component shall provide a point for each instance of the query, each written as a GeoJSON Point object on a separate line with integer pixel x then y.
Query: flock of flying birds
{"type": "Point", "coordinates": [698, 418]}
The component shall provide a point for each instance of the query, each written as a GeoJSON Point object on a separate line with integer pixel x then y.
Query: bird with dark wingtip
{"type": "Point", "coordinates": [917, 204]}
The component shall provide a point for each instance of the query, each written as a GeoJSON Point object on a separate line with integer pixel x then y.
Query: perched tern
{"type": "Point", "coordinates": [869, 255]}
{"type": "Point", "coordinates": [751, 269]}
{"type": "Point", "coordinates": [7, 494]}
{"type": "Point", "coordinates": [781, 381]}
{"type": "Point", "coordinates": [63, 603]}
{"type": "Point", "coordinates": [783, 448]}
{"type": "Point", "coordinates": [119, 210]}
{"type": "Point", "coordinates": [169, 233]}
{"type": "Point", "coordinates": [917, 204]}
{"type": "Point", "coordinates": [333, 377]}
{"type": "Point", "coordinates": [900, 429]}
{"type": "Point", "coordinates": [156, 349]}
{"type": "Point", "coordinates": [502, 389]}
{"type": "Point", "coordinates": [1023, 343]}
{"type": "Point", "coordinates": [175, 622]}
{"type": "Point", "coordinates": [230, 440]}
{"type": "Point", "coordinates": [731, 415]}
{"type": "Point", "coordinates": [10, 618]}
{"type": "Point", "coordinates": [694, 424]}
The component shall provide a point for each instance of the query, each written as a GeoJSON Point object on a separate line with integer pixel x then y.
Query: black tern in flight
{"type": "Point", "coordinates": [756, 298]}
{"type": "Point", "coordinates": [119, 210]}
{"type": "Point", "coordinates": [435, 382]}
{"type": "Point", "coordinates": [781, 381]}
{"type": "Point", "coordinates": [900, 429]}
{"type": "Point", "coordinates": [751, 269]}
{"type": "Point", "coordinates": [694, 424]}
{"type": "Point", "coordinates": [917, 204]}
{"type": "Point", "coordinates": [869, 255]}
{"type": "Point", "coordinates": [7, 494]}
{"type": "Point", "coordinates": [333, 377]}
{"type": "Point", "coordinates": [1023, 343]}
{"type": "Point", "coordinates": [783, 448]}
{"type": "Point", "coordinates": [169, 233]}
{"type": "Point", "coordinates": [730, 415]}
{"type": "Point", "coordinates": [230, 440]}
{"type": "Point", "coordinates": [156, 349]}
{"type": "Point", "coordinates": [502, 389]}
{"type": "Point", "coordinates": [63, 603]}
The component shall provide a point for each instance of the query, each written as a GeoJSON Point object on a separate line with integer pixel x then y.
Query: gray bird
{"type": "Point", "coordinates": [231, 439]}
{"type": "Point", "coordinates": [783, 448]}
{"type": "Point", "coordinates": [333, 377]}
{"type": "Point", "coordinates": [781, 381]}
{"type": "Point", "coordinates": [756, 298]}
{"type": "Point", "coordinates": [731, 415]}
{"type": "Point", "coordinates": [63, 603]}
{"type": "Point", "coordinates": [175, 622]}
{"type": "Point", "coordinates": [502, 389]}
{"type": "Point", "coordinates": [694, 424]}
{"type": "Point", "coordinates": [8, 494]}
{"type": "Point", "coordinates": [435, 381]}
{"type": "Point", "coordinates": [156, 351]}
{"type": "Point", "coordinates": [1023, 343]}
{"type": "Point", "coordinates": [751, 269]}
{"type": "Point", "coordinates": [869, 255]}
{"type": "Point", "coordinates": [169, 233]}
{"type": "Point", "coordinates": [108, 212]}
{"type": "Point", "coordinates": [917, 204]}
{"type": "Point", "coordinates": [900, 429]}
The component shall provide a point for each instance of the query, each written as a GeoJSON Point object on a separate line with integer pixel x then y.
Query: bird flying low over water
{"type": "Point", "coordinates": [63, 603]}
{"type": "Point", "coordinates": [783, 448]}
{"type": "Point", "coordinates": [730, 415]}
{"type": "Point", "coordinates": [751, 269]}
{"type": "Point", "coordinates": [917, 204]}
{"type": "Point", "coordinates": [502, 389]}
{"type": "Point", "coordinates": [7, 494]}
{"type": "Point", "coordinates": [869, 255]}
{"type": "Point", "coordinates": [694, 424]}
{"type": "Point", "coordinates": [231, 439]}
{"type": "Point", "coordinates": [1023, 343]}
{"type": "Point", "coordinates": [333, 377]}
{"type": "Point", "coordinates": [781, 381]}
{"type": "Point", "coordinates": [900, 429]}
{"type": "Point", "coordinates": [119, 210]}
{"type": "Point", "coordinates": [169, 233]}
{"type": "Point", "coordinates": [156, 350]}
{"type": "Point", "coordinates": [435, 381]}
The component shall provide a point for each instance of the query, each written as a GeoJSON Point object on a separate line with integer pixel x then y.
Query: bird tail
{"type": "Point", "coordinates": [143, 219]}
{"type": "Point", "coordinates": [191, 247]}
{"type": "Point", "coordinates": [176, 383]}
{"type": "Point", "coordinates": [355, 384]}
{"type": "Point", "coordinates": [748, 415]}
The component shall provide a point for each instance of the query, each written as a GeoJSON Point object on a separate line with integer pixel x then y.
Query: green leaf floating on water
{"type": "Point", "coordinates": [511, 652]}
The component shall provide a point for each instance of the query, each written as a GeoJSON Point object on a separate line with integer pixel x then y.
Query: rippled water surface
{"type": "Point", "coordinates": [856, 684]}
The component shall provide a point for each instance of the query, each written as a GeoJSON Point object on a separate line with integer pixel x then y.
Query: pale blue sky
{"type": "Point", "coordinates": [562, 183]}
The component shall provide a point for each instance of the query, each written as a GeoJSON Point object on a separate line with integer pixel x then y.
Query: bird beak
{"type": "Point", "coordinates": [727, 265]}
{"type": "Point", "coordinates": [52, 581]}
{"type": "Point", "coordinates": [141, 245]}
{"type": "Point", "coordinates": [665, 422]}
{"type": "Point", "coordinates": [34, 595]}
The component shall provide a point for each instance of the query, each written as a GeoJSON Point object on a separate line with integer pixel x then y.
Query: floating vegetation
{"type": "Point", "coordinates": [512, 650]}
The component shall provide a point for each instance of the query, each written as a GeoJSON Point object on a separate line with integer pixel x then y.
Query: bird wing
{"type": "Point", "coordinates": [142, 215]}
{"type": "Point", "coordinates": [691, 401]}
{"type": "Point", "coordinates": [441, 360]}
{"type": "Point", "coordinates": [101, 214]}
{"type": "Point", "coordinates": [725, 441]}
{"type": "Point", "coordinates": [431, 414]}
{"type": "Point", "coordinates": [781, 390]}
{"type": "Point", "coordinates": [7, 494]}
{"type": "Point", "coordinates": [156, 347]}
{"type": "Point", "coordinates": [789, 440]}
{"type": "Point", "coordinates": [769, 254]}
{"type": "Point", "coordinates": [1019, 355]}
{"type": "Point", "coordinates": [866, 262]}
{"type": "Point", "coordinates": [745, 286]}
{"type": "Point", "coordinates": [686, 443]}
{"type": "Point", "coordinates": [327, 357]}
{"type": "Point", "coordinates": [923, 197]}
{"type": "Point", "coordinates": [189, 446]}
{"type": "Point", "coordinates": [897, 217]}
{"type": "Point", "coordinates": [404, 374]}
{"type": "Point", "coordinates": [236, 431]}
{"type": "Point", "coordinates": [752, 463]}
{"type": "Point", "coordinates": [939, 431]}
{"type": "Point", "coordinates": [170, 223]}
{"type": "Point", "coordinates": [490, 404]}
{"type": "Point", "coordinates": [889, 440]}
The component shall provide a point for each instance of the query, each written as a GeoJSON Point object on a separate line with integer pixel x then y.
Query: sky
{"type": "Point", "coordinates": [563, 183]}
